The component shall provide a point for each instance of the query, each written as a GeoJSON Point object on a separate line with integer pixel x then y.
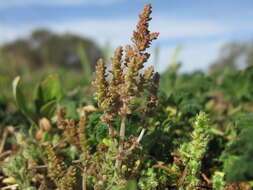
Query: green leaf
{"type": "Point", "coordinates": [86, 66]}
{"type": "Point", "coordinates": [47, 95]}
{"type": "Point", "coordinates": [21, 101]}
{"type": "Point", "coordinates": [48, 109]}
{"type": "Point", "coordinates": [131, 185]}
{"type": "Point", "coordinates": [107, 142]}
{"type": "Point", "coordinates": [118, 187]}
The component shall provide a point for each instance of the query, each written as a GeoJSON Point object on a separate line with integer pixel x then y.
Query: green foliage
{"type": "Point", "coordinates": [171, 153]}
{"type": "Point", "coordinates": [191, 153]}
{"type": "Point", "coordinates": [131, 185]}
{"type": "Point", "coordinates": [86, 65]}
{"type": "Point", "coordinates": [237, 85]}
{"type": "Point", "coordinates": [238, 154]}
{"type": "Point", "coordinates": [218, 180]}
{"type": "Point", "coordinates": [46, 96]}
{"type": "Point", "coordinates": [17, 170]}
{"type": "Point", "coordinates": [194, 151]}
{"type": "Point", "coordinates": [148, 180]}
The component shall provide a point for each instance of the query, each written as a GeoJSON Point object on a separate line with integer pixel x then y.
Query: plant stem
{"type": "Point", "coordinates": [141, 135]}
{"type": "Point", "coordinates": [10, 187]}
{"type": "Point", "coordinates": [84, 181]}
{"type": "Point", "coordinates": [5, 135]}
{"type": "Point", "coordinates": [122, 139]}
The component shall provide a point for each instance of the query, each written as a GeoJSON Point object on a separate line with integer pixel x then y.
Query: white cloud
{"type": "Point", "coordinates": [170, 28]}
{"type": "Point", "coordinates": [192, 56]}
{"type": "Point", "coordinates": [118, 31]}
{"type": "Point", "coordinates": [8, 33]}
{"type": "Point", "coordinates": [18, 3]}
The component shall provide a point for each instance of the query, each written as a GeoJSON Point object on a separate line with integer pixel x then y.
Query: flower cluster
{"type": "Point", "coordinates": [116, 92]}
{"type": "Point", "coordinates": [64, 179]}
{"type": "Point", "coordinates": [126, 84]}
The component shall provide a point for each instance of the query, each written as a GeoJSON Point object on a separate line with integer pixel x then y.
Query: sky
{"type": "Point", "coordinates": [199, 27]}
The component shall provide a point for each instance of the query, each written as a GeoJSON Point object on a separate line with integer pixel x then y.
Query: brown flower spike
{"type": "Point", "coordinates": [116, 92]}
{"type": "Point", "coordinates": [142, 37]}
{"type": "Point", "coordinates": [126, 83]}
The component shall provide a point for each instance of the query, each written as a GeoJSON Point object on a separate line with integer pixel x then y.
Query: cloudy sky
{"type": "Point", "coordinates": [200, 27]}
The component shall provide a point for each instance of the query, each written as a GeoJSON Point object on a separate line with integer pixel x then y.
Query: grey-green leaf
{"type": "Point", "coordinates": [21, 101]}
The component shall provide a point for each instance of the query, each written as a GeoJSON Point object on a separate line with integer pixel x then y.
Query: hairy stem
{"type": "Point", "coordinates": [122, 138]}
{"type": "Point", "coordinates": [141, 135]}
{"type": "Point", "coordinates": [8, 130]}
{"type": "Point", "coordinates": [5, 135]}
{"type": "Point", "coordinates": [84, 181]}
{"type": "Point", "coordinates": [138, 139]}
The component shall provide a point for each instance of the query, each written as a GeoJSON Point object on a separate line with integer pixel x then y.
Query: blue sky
{"type": "Point", "coordinates": [201, 27]}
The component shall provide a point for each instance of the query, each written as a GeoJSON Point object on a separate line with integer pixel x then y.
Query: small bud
{"type": "Point", "coordinates": [10, 129]}
{"type": "Point", "coordinates": [31, 164]}
{"type": "Point", "coordinates": [100, 182]}
{"type": "Point", "coordinates": [89, 108]}
{"type": "Point", "coordinates": [62, 145]}
{"type": "Point", "coordinates": [39, 134]}
{"type": "Point", "coordinates": [45, 124]}
{"type": "Point", "coordinates": [122, 182]}
{"type": "Point", "coordinates": [104, 177]}
{"type": "Point", "coordinates": [124, 168]}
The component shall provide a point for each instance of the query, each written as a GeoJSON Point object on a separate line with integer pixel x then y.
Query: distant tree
{"type": "Point", "coordinates": [234, 55]}
{"type": "Point", "coordinates": [44, 47]}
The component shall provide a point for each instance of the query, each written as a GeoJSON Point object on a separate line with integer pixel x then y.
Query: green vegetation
{"type": "Point", "coordinates": [131, 129]}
